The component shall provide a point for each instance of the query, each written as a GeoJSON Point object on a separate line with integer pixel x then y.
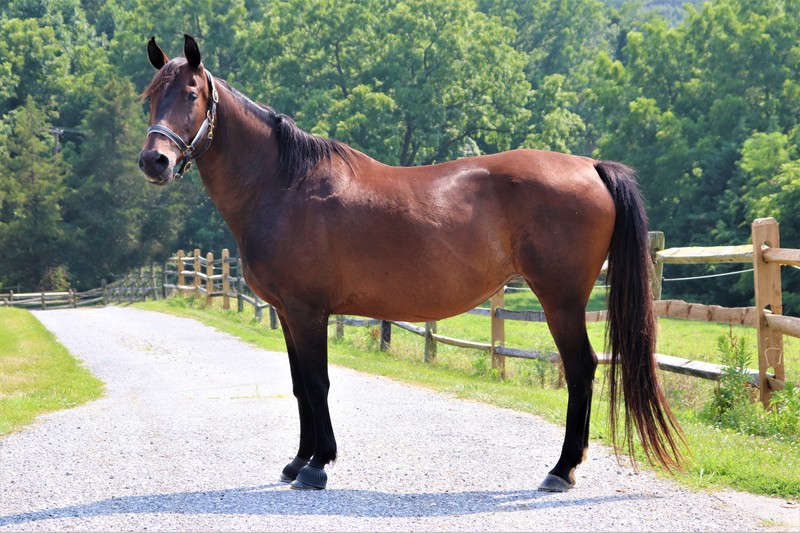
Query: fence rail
{"type": "Point", "coordinates": [52, 300]}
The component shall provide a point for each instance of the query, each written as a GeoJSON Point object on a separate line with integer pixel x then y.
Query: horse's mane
{"type": "Point", "coordinates": [299, 152]}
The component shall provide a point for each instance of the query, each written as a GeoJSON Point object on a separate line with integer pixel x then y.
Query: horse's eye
{"type": "Point", "coordinates": [191, 97]}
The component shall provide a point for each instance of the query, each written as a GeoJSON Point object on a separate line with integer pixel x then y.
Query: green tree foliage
{"type": "Point", "coordinates": [704, 101]}
{"type": "Point", "coordinates": [416, 83]}
{"type": "Point", "coordinates": [685, 104]}
{"type": "Point", "coordinates": [32, 188]}
{"type": "Point", "coordinates": [112, 214]}
{"type": "Point", "coordinates": [31, 63]}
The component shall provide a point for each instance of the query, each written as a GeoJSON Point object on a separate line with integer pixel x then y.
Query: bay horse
{"type": "Point", "coordinates": [324, 229]}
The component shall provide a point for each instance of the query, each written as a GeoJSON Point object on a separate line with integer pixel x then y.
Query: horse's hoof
{"type": "Point", "coordinates": [553, 483]}
{"type": "Point", "coordinates": [310, 478]}
{"type": "Point", "coordinates": [291, 470]}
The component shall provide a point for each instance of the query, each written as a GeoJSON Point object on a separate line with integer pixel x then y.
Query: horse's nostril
{"type": "Point", "coordinates": [161, 162]}
{"type": "Point", "coordinates": [153, 162]}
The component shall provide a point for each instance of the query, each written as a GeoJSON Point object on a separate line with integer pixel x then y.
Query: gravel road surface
{"type": "Point", "coordinates": [196, 425]}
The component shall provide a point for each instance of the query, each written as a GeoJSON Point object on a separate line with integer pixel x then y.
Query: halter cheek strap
{"type": "Point", "coordinates": [190, 151]}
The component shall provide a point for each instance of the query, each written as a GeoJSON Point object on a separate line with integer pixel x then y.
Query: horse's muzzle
{"type": "Point", "coordinates": [156, 166]}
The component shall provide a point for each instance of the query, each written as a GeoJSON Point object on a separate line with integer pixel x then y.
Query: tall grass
{"type": "Point", "coordinates": [720, 457]}
{"type": "Point", "coordinates": [37, 374]}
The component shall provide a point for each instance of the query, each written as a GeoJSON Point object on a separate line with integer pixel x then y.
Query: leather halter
{"type": "Point", "coordinates": [190, 151]}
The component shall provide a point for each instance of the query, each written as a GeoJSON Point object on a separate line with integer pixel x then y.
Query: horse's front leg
{"type": "Point", "coordinates": [309, 365]}
{"type": "Point", "coordinates": [306, 449]}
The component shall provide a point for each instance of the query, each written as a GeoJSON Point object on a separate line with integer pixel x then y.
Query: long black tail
{"type": "Point", "coordinates": [631, 327]}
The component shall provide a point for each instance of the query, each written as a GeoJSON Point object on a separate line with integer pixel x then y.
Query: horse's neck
{"type": "Point", "coordinates": [239, 168]}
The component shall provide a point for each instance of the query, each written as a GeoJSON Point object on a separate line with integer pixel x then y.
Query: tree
{"type": "Point", "coordinates": [214, 23]}
{"type": "Point", "coordinates": [412, 86]}
{"type": "Point", "coordinates": [31, 191]}
{"type": "Point", "coordinates": [556, 126]}
{"type": "Point", "coordinates": [109, 202]}
{"type": "Point", "coordinates": [31, 65]}
{"type": "Point", "coordinates": [692, 95]}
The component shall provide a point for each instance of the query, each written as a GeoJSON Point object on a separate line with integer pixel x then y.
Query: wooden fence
{"type": "Point", "coordinates": [52, 300]}
{"type": "Point", "coordinates": [208, 278]}
{"type": "Point", "coordinates": [134, 287]}
{"type": "Point", "coordinates": [766, 257]}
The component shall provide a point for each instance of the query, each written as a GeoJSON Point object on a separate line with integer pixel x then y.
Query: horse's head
{"type": "Point", "coordinates": [183, 102]}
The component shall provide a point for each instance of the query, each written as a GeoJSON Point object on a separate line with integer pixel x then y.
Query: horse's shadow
{"type": "Point", "coordinates": [277, 499]}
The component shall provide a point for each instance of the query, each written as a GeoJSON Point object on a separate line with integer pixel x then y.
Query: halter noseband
{"type": "Point", "coordinates": [190, 151]}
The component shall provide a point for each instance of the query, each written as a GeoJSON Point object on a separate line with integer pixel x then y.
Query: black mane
{"type": "Point", "coordinates": [299, 152]}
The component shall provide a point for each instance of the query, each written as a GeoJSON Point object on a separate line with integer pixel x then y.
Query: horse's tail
{"type": "Point", "coordinates": [631, 327]}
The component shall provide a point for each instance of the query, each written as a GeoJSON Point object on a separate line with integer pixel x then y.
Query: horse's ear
{"type": "Point", "coordinates": [191, 51]}
{"type": "Point", "coordinates": [156, 55]}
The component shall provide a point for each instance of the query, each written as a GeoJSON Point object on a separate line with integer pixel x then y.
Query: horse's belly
{"type": "Point", "coordinates": [421, 295]}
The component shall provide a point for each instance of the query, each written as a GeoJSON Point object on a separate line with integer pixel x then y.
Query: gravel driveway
{"type": "Point", "coordinates": [196, 425]}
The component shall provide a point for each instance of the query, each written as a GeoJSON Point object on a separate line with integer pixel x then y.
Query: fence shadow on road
{"type": "Point", "coordinates": [278, 499]}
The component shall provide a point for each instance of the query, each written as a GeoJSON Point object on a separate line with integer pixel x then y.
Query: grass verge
{"type": "Point", "coordinates": [719, 459]}
{"type": "Point", "coordinates": [37, 374]}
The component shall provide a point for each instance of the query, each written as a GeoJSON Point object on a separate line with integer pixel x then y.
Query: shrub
{"type": "Point", "coordinates": [784, 416]}
{"type": "Point", "coordinates": [731, 400]}
{"type": "Point", "coordinates": [733, 403]}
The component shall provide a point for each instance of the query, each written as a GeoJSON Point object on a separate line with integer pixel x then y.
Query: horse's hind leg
{"type": "Point", "coordinates": [567, 323]}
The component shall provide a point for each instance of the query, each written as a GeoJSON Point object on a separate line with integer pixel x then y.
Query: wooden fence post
{"type": "Point", "coordinates": [181, 279]}
{"type": "Point", "coordinates": [430, 342]}
{"type": "Point", "coordinates": [386, 335]}
{"type": "Point", "coordinates": [339, 326]}
{"type": "Point", "coordinates": [226, 285]}
{"type": "Point", "coordinates": [273, 317]}
{"type": "Point", "coordinates": [154, 281]}
{"type": "Point", "coordinates": [767, 279]}
{"type": "Point", "coordinates": [239, 289]}
{"type": "Point", "coordinates": [105, 292]}
{"type": "Point", "coordinates": [209, 278]}
{"type": "Point", "coordinates": [258, 309]}
{"type": "Point", "coordinates": [164, 280]}
{"type": "Point", "coordinates": [498, 332]}
{"type": "Point", "coordinates": [657, 244]}
{"type": "Point", "coordinates": [197, 270]}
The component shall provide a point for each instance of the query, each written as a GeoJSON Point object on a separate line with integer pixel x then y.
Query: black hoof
{"type": "Point", "coordinates": [310, 478]}
{"type": "Point", "coordinates": [291, 470]}
{"type": "Point", "coordinates": [553, 483]}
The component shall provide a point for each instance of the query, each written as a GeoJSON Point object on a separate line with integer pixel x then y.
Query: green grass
{"type": "Point", "coordinates": [37, 374]}
{"type": "Point", "coordinates": [719, 458]}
